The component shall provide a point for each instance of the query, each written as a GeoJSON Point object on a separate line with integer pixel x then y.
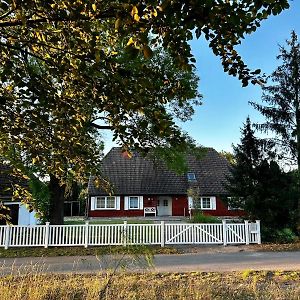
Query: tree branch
{"type": "Point", "coordinates": [21, 49]}
{"type": "Point", "coordinates": [7, 14]}
{"type": "Point", "coordinates": [16, 22]}
{"type": "Point", "coordinates": [100, 126]}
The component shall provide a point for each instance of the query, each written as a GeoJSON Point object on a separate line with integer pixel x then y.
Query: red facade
{"type": "Point", "coordinates": [179, 208]}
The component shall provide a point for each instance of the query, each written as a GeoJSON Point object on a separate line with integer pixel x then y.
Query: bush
{"type": "Point", "coordinates": [281, 236]}
{"type": "Point", "coordinates": [285, 235]}
{"type": "Point", "coordinates": [199, 217]}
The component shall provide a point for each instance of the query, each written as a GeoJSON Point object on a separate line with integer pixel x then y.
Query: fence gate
{"type": "Point", "coordinates": [193, 234]}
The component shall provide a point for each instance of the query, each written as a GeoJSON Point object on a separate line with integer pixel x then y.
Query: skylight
{"type": "Point", "coordinates": [191, 176]}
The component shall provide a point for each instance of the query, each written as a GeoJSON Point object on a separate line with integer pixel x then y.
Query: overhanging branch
{"type": "Point", "coordinates": [17, 22]}
{"type": "Point", "coordinates": [100, 126]}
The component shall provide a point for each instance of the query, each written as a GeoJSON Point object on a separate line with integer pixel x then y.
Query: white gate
{"type": "Point", "coordinates": [193, 234]}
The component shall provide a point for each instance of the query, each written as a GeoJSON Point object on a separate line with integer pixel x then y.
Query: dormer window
{"type": "Point", "coordinates": [191, 176]}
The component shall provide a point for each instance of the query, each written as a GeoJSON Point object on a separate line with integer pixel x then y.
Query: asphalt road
{"type": "Point", "coordinates": [216, 262]}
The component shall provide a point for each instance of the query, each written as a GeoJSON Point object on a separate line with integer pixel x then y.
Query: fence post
{"type": "Point", "coordinates": [7, 237]}
{"type": "Point", "coordinates": [47, 230]}
{"type": "Point", "coordinates": [224, 226]}
{"type": "Point", "coordinates": [86, 234]}
{"type": "Point", "coordinates": [247, 231]}
{"type": "Point", "coordinates": [125, 233]}
{"type": "Point", "coordinates": [162, 233]}
{"type": "Point", "coordinates": [258, 231]}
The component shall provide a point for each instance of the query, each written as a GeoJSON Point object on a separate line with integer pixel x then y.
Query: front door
{"type": "Point", "coordinates": [164, 206]}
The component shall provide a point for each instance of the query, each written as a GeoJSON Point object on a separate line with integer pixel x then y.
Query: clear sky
{"type": "Point", "coordinates": [225, 106]}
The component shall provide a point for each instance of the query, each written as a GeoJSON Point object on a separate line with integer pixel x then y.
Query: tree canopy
{"type": "Point", "coordinates": [71, 68]}
{"type": "Point", "coordinates": [281, 99]}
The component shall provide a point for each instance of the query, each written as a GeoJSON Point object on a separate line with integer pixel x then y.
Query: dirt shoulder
{"type": "Point", "coordinates": [238, 248]}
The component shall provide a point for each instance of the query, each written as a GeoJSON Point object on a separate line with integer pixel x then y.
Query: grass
{"type": "Point", "coordinates": [246, 285]}
{"type": "Point", "coordinates": [116, 221]}
{"type": "Point", "coordinates": [81, 251]}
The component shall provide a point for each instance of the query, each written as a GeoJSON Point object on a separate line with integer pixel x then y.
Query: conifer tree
{"type": "Point", "coordinates": [258, 185]}
{"type": "Point", "coordinates": [247, 155]}
{"type": "Point", "coordinates": [281, 109]}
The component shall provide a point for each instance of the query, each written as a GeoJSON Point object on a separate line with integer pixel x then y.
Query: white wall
{"type": "Point", "coordinates": [26, 217]}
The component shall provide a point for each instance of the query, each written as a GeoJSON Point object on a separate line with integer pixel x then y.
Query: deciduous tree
{"type": "Point", "coordinates": [66, 64]}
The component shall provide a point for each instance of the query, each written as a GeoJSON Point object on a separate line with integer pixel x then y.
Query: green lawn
{"type": "Point", "coordinates": [112, 221]}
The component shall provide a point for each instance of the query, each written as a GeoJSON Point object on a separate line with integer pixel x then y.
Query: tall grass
{"type": "Point", "coordinates": [240, 286]}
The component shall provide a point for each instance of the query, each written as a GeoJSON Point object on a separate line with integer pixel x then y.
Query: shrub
{"type": "Point", "coordinates": [199, 217]}
{"type": "Point", "coordinates": [285, 235]}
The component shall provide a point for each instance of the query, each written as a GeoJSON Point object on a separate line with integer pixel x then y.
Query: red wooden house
{"type": "Point", "coordinates": [143, 186]}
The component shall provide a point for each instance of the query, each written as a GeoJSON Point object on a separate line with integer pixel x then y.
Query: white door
{"type": "Point", "coordinates": [164, 206]}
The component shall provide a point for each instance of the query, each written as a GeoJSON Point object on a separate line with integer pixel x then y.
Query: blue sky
{"type": "Point", "coordinates": [225, 106]}
{"type": "Point", "coordinates": [218, 121]}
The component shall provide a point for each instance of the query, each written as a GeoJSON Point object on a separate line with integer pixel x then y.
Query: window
{"type": "Point", "coordinates": [197, 203]}
{"type": "Point", "coordinates": [106, 202]}
{"type": "Point", "coordinates": [100, 203]}
{"type": "Point", "coordinates": [166, 202]}
{"type": "Point", "coordinates": [110, 202]}
{"type": "Point", "coordinates": [191, 176]}
{"type": "Point", "coordinates": [206, 203]}
{"type": "Point", "coordinates": [134, 202]}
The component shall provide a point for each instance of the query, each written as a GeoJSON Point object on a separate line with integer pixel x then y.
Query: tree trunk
{"type": "Point", "coordinates": [57, 195]}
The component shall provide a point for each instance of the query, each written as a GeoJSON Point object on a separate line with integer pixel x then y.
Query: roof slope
{"type": "Point", "coordinates": [7, 181]}
{"type": "Point", "coordinates": [139, 175]}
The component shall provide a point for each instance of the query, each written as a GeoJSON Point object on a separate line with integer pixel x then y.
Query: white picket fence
{"type": "Point", "coordinates": [129, 234]}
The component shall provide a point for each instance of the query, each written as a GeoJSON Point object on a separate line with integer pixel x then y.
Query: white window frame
{"type": "Point", "coordinates": [212, 203]}
{"type": "Point", "coordinates": [105, 201]}
{"type": "Point", "coordinates": [138, 203]}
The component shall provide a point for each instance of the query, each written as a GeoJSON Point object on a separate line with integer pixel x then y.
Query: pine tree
{"type": "Point", "coordinates": [258, 185]}
{"type": "Point", "coordinates": [243, 172]}
{"type": "Point", "coordinates": [282, 111]}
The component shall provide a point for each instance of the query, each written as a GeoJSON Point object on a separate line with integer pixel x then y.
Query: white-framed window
{"type": "Point", "coordinates": [106, 202]}
{"type": "Point", "coordinates": [133, 203]}
{"type": "Point", "coordinates": [204, 203]}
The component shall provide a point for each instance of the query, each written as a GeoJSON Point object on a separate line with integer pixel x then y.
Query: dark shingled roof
{"type": "Point", "coordinates": [141, 176]}
{"type": "Point", "coordinates": [7, 181]}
